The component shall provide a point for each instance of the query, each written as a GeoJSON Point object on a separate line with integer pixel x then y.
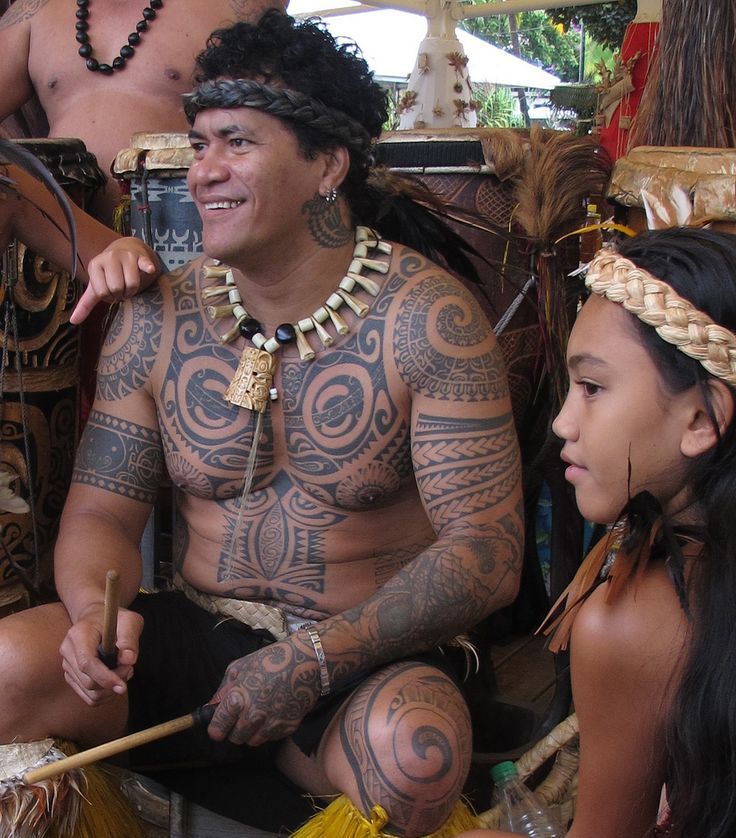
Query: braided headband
{"type": "Point", "coordinates": [280, 102]}
{"type": "Point", "coordinates": [675, 319]}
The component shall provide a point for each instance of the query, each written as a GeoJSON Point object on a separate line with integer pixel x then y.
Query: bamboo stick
{"type": "Point", "coordinates": [201, 716]}
{"type": "Point", "coordinates": [108, 651]}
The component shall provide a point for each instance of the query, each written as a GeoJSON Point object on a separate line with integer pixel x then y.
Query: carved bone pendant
{"type": "Point", "coordinates": [252, 380]}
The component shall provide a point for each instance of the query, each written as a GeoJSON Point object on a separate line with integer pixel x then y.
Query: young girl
{"type": "Point", "coordinates": [648, 432]}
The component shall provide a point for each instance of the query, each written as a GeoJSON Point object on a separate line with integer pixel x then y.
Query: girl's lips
{"type": "Point", "coordinates": [572, 472]}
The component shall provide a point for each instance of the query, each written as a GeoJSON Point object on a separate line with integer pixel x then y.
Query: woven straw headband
{"type": "Point", "coordinates": [675, 319]}
{"type": "Point", "coordinates": [280, 102]}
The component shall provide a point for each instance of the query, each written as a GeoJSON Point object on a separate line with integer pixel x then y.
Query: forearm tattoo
{"type": "Point", "coordinates": [120, 457]}
{"type": "Point", "coordinates": [20, 11]}
{"type": "Point", "coordinates": [447, 589]}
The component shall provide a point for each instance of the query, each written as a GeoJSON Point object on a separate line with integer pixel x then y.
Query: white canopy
{"type": "Point", "coordinates": [390, 39]}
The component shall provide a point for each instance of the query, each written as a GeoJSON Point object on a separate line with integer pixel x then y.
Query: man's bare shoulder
{"type": "Point", "coordinates": [21, 11]}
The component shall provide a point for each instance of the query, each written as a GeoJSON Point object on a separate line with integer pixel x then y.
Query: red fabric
{"type": "Point", "coordinates": [642, 38]}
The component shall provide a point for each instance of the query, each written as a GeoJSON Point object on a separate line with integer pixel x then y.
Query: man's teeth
{"type": "Point", "coordinates": [222, 204]}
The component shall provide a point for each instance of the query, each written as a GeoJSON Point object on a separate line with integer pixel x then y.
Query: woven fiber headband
{"type": "Point", "coordinates": [280, 102]}
{"type": "Point", "coordinates": [675, 319]}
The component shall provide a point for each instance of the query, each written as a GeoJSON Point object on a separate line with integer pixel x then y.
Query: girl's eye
{"type": "Point", "coordinates": [589, 388]}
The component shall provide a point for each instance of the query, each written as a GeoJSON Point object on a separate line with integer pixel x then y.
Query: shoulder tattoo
{"type": "Point", "coordinates": [120, 457]}
{"type": "Point", "coordinates": [131, 346]}
{"type": "Point", "coordinates": [20, 11]}
{"type": "Point", "coordinates": [443, 345]}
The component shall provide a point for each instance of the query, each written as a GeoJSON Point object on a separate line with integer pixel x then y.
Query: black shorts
{"type": "Point", "coordinates": [184, 652]}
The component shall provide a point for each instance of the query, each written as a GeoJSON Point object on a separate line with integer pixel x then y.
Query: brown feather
{"type": "Point", "coordinates": [560, 171]}
{"type": "Point", "coordinates": [690, 95]}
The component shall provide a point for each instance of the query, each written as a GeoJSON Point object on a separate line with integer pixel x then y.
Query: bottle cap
{"type": "Point", "coordinates": [503, 771]}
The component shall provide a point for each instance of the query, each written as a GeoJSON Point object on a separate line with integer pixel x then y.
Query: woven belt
{"type": "Point", "coordinates": [257, 615]}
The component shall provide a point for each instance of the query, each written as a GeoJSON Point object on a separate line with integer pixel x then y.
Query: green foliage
{"type": "Point", "coordinates": [539, 41]}
{"type": "Point", "coordinates": [605, 23]}
{"type": "Point", "coordinates": [497, 107]}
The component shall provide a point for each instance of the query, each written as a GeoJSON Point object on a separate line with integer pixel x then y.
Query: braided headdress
{"type": "Point", "coordinates": [675, 319]}
{"type": "Point", "coordinates": [283, 103]}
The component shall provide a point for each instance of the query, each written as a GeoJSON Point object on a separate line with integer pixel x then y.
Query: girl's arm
{"type": "Point", "coordinates": [125, 267]}
{"type": "Point", "coordinates": [626, 660]}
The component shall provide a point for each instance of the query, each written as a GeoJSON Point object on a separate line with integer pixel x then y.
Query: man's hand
{"type": "Point", "coordinates": [264, 696]}
{"type": "Point", "coordinates": [85, 673]}
{"type": "Point", "coordinates": [124, 268]}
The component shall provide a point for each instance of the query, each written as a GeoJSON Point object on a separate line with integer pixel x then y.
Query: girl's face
{"type": "Point", "coordinates": [618, 412]}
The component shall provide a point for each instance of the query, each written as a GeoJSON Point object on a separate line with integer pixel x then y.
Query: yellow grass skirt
{"type": "Point", "coordinates": [342, 820]}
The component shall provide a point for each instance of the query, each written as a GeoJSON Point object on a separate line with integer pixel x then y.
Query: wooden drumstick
{"type": "Point", "coordinates": [108, 651]}
{"type": "Point", "coordinates": [201, 716]}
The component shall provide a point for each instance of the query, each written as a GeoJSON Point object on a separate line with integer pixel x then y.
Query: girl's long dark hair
{"type": "Point", "coordinates": [701, 732]}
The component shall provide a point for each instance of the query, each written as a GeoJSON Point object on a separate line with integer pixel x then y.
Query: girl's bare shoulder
{"type": "Point", "coordinates": [640, 635]}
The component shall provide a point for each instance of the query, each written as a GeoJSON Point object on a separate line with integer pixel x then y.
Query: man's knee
{"type": "Point", "coordinates": [405, 740]}
{"type": "Point", "coordinates": [29, 657]}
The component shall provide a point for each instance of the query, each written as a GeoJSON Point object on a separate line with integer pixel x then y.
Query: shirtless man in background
{"type": "Point", "coordinates": [41, 57]}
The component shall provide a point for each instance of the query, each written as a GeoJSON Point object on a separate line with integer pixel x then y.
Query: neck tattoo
{"type": "Point", "coordinates": [127, 51]}
{"type": "Point", "coordinates": [252, 384]}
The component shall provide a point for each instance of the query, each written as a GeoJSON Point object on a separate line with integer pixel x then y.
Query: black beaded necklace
{"type": "Point", "coordinates": [126, 52]}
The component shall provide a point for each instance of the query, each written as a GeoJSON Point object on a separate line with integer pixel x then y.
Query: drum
{"type": "Point", "coordinates": [161, 211]}
{"type": "Point", "coordinates": [39, 371]}
{"type": "Point", "coordinates": [670, 186]}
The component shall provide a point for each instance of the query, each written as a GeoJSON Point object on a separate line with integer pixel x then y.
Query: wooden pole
{"type": "Point", "coordinates": [201, 716]}
{"type": "Point", "coordinates": [108, 651]}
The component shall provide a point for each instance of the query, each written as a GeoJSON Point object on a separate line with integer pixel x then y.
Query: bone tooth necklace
{"type": "Point", "coordinates": [252, 384]}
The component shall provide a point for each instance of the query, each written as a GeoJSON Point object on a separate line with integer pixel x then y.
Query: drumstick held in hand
{"type": "Point", "coordinates": [201, 716]}
{"type": "Point", "coordinates": [108, 651]}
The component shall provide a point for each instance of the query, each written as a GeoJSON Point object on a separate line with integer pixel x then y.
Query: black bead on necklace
{"type": "Point", "coordinates": [126, 51]}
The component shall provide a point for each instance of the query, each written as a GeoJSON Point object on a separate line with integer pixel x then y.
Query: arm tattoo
{"type": "Point", "coordinates": [20, 11]}
{"type": "Point", "coordinates": [443, 592]}
{"type": "Point", "coordinates": [131, 346]}
{"type": "Point", "coordinates": [443, 345]}
{"type": "Point", "coordinates": [464, 466]}
{"type": "Point", "coordinates": [325, 222]}
{"type": "Point", "coordinates": [120, 457]}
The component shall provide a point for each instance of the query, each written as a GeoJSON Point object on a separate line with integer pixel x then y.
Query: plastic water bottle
{"type": "Point", "coordinates": [522, 811]}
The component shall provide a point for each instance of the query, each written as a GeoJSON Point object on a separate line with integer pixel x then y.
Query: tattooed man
{"type": "Point", "coordinates": [333, 411]}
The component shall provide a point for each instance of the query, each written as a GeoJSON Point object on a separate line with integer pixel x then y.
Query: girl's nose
{"type": "Point", "coordinates": [564, 425]}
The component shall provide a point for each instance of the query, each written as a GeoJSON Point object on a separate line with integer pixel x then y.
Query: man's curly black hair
{"type": "Point", "coordinates": [302, 56]}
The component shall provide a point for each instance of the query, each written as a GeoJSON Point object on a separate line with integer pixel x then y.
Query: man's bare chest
{"type": "Point", "coordinates": [338, 431]}
{"type": "Point", "coordinates": [154, 54]}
